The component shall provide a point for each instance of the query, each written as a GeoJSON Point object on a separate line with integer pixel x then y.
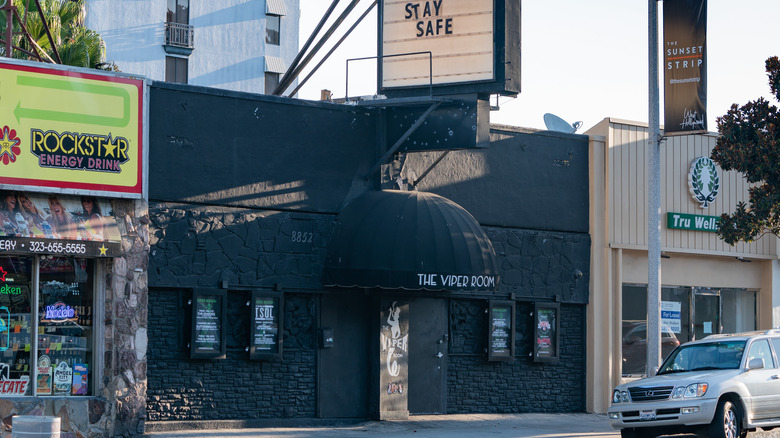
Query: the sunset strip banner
{"type": "Point", "coordinates": [685, 66]}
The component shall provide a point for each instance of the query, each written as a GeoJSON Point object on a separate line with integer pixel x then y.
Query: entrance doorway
{"type": "Point", "coordinates": [428, 341]}
{"type": "Point", "coordinates": [344, 366]}
{"type": "Point", "coordinates": [706, 311]}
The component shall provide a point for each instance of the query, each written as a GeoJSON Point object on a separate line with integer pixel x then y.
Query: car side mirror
{"type": "Point", "coordinates": [756, 363]}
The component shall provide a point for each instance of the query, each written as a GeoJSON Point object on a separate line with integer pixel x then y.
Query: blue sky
{"type": "Point", "coordinates": [585, 61]}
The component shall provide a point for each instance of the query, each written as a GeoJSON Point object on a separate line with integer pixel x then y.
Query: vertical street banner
{"type": "Point", "coordinates": [685, 66]}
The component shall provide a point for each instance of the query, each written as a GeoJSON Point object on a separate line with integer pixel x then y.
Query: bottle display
{"type": "Point", "coordinates": [65, 327]}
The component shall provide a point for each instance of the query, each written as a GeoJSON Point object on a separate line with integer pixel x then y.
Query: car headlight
{"type": "Point", "coordinates": [690, 391]}
{"type": "Point", "coordinates": [619, 396]}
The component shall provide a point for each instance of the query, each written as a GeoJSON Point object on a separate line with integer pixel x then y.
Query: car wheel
{"type": "Point", "coordinates": [726, 423]}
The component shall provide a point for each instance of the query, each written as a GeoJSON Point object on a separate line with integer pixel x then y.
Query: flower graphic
{"type": "Point", "coordinates": [9, 145]}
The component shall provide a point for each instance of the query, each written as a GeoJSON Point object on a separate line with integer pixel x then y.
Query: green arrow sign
{"type": "Point", "coordinates": [72, 117]}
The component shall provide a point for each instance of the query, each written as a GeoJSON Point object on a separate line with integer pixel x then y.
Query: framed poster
{"type": "Point", "coordinates": [208, 324]}
{"type": "Point", "coordinates": [267, 323]}
{"type": "Point", "coordinates": [546, 332]}
{"type": "Point", "coordinates": [501, 336]}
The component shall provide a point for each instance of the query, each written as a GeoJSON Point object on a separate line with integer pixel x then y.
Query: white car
{"type": "Point", "coordinates": [722, 385]}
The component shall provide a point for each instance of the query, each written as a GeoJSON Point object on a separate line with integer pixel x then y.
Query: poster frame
{"type": "Point", "coordinates": [278, 298]}
{"type": "Point", "coordinates": [222, 298]}
{"type": "Point", "coordinates": [555, 308]}
{"type": "Point", "coordinates": [492, 355]}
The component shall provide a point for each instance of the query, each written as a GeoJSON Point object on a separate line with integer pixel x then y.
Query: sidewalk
{"type": "Point", "coordinates": [432, 426]}
{"type": "Point", "coordinates": [440, 426]}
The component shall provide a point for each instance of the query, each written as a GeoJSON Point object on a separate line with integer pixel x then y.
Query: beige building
{"type": "Point", "coordinates": [708, 286]}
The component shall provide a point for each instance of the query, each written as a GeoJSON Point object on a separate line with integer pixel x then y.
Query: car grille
{"type": "Point", "coordinates": [639, 394]}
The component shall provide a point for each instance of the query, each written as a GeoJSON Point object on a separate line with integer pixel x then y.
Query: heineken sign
{"type": "Point", "coordinates": [693, 222]}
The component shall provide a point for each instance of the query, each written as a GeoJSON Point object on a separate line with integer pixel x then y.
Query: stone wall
{"type": "Point", "coordinates": [197, 246]}
{"type": "Point", "coordinates": [210, 247]}
{"type": "Point", "coordinates": [240, 249]}
{"type": "Point", "coordinates": [478, 386]}
{"type": "Point", "coordinates": [184, 389]}
{"type": "Point", "coordinates": [119, 407]}
{"type": "Point", "coordinates": [542, 265]}
{"type": "Point", "coordinates": [127, 322]}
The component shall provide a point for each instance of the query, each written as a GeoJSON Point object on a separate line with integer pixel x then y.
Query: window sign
{"type": "Point", "coordinates": [265, 337]}
{"type": "Point", "coordinates": [501, 336]}
{"type": "Point", "coordinates": [546, 332]}
{"type": "Point", "coordinates": [670, 315]}
{"type": "Point", "coordinates": [208, 322]}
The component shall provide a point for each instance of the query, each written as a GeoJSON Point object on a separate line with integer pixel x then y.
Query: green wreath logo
{"type": "Point", "coordinates": [703, 181]}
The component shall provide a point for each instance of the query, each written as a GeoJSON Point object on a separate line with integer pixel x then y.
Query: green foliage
{"type": "Point", "coordinates": [76, 45]}
{"type": "Point", "coordinates": [749, 144]}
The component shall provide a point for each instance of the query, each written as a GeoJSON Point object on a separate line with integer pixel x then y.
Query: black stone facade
{"type": "Point", "coordinates": [181, 389]}
{"type": "Point", "coordinates": [197, 246]}
{"type": "Point", "coordinates": [478, 386]}
{"type": "Point", "coordinates": [230, 212]}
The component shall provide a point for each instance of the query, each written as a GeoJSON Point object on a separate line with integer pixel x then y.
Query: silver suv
{"type": "Point", "coordinates": [722, 385]}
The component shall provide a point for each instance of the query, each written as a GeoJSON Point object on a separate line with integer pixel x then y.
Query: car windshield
{"type": "Point", "coordinates": [723, 355]}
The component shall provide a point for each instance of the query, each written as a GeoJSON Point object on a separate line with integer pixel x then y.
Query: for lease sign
{"type": "Point", "coordinates": [70, 130]}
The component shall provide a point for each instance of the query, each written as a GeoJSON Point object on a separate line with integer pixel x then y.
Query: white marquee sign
{"type": "Point", "coordinates": [458, 33]}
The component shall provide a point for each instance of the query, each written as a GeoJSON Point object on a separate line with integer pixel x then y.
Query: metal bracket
{"type": "Point", "coordinates": [403, 138]}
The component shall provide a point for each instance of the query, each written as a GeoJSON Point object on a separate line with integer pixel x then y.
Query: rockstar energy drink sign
{"type": "Point", "coordinates": [71, 130]}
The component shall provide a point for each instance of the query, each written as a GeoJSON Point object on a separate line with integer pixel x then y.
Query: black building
{"type": "Point", "coordinates": [251, 197]}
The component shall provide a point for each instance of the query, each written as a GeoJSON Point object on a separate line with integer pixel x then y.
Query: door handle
{"type": "Point", "coordinates": [440, 355]}
{"type": "Point", "coordinates": [775, 377]}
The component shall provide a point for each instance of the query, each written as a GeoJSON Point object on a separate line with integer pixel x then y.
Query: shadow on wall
{"type": "Point", "coordinates": [256, 151]}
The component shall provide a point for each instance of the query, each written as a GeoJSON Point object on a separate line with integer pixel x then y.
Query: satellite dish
{"type": "Point", "coordinates": [555, 123]}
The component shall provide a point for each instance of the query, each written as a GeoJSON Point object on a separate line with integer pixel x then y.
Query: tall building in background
{"type": "Point", "coordinates": [241, 45]}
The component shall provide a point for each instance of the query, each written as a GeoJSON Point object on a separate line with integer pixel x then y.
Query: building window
{"type": "Point", "coordinates": [179, 35]}
{"type": "Point", "coordinates": [272, 26]}
{"type": "Point", "coordinates": [176, 70]}
{"type": "Point", "coordinates": [178, 11]}
{"type": "Point", "coordinates": [271, 82]}
{"type": "Point", "coordinates": [687, 314]}
{"type": "Point", "coordinates": [52, 298]}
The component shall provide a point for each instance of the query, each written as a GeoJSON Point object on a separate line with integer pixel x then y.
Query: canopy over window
{"type": "Point", "coordinates": [409, 240]}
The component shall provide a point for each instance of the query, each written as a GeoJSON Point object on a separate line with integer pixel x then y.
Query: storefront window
{"type": "Point", "coordinates": [16, 326]}
{"type": "Point", "coordinates": [687, 313]}
{"type": "Point", "coordinates": [64, 326]}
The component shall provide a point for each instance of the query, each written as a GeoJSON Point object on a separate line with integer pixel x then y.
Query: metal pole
{"type": "Point", "coordinates": [654, 201]}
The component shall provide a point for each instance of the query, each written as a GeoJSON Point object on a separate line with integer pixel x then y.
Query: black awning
{"type": "Point", "coordinates": [409, 240]}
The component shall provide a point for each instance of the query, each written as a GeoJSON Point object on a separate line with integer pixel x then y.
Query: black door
{"type": "Point", "coordinates": [428, 340]}
{"type": "Point", "coordinates": [344, 367]}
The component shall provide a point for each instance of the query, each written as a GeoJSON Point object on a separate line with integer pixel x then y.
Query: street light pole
{"type": "Point", "coordinates": [654, 200]}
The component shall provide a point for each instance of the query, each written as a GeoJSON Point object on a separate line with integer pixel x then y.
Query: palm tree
{"type": "Point", "coordinates": [74, 44]}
